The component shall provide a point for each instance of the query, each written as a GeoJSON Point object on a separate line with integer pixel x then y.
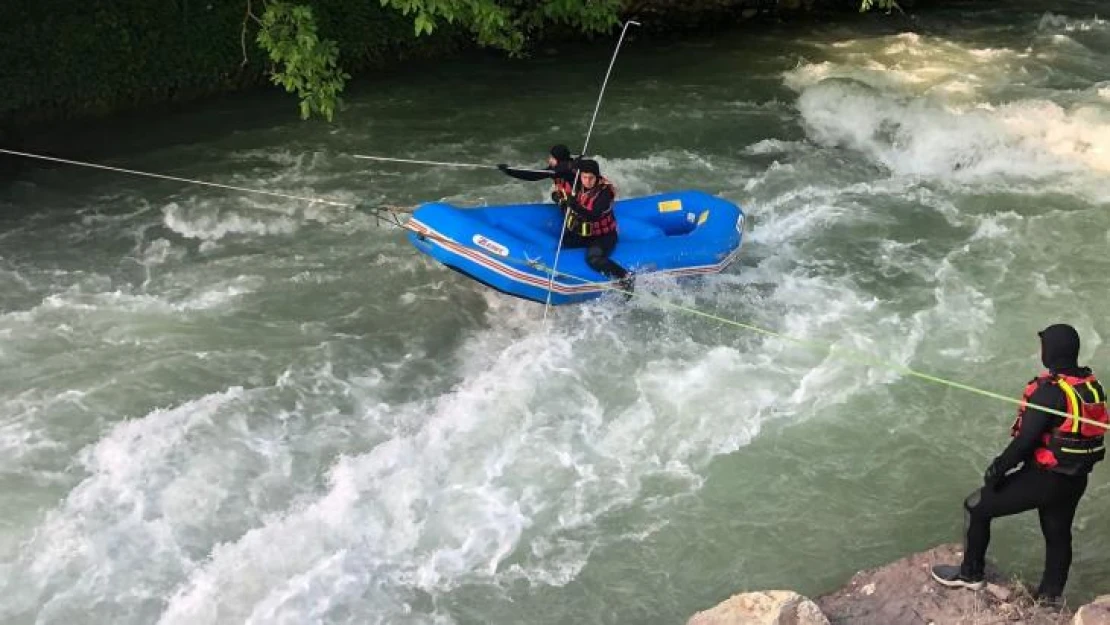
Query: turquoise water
{"type": "Point", "coordinates": [219, 407]}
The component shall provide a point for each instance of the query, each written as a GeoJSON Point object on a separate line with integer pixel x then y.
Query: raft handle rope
{"type": "Point", "coordinates": [393, 217]}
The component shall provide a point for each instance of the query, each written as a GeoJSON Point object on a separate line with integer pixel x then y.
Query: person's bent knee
{"type": "Point", "coordinates": [596, 260]}
{"type": "Point", "coordinates": [971, 504]}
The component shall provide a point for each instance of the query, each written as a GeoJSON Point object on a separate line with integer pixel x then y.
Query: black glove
{"type": "Point", "coordinates": [558, 196]}
{"type": "Point", "coordinates": [993, 476]}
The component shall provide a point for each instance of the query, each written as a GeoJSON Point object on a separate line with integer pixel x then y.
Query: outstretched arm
{"type": "Point", "coordinates": [530, 175]}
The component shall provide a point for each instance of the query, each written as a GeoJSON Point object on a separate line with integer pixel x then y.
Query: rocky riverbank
{"type": "Point", "coordinates": [903, 593]}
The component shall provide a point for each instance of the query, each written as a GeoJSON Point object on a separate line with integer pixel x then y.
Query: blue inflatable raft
{"type": "Point", "coordinates": [510, 247]}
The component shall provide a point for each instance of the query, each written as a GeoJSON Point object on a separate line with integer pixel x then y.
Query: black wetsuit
{"type": "Point", "coordinates": [1054, 494]}
{"type": "Point", "coordinates": [560, 171]}
{"type": "Point", "coordinates": [598, 248]}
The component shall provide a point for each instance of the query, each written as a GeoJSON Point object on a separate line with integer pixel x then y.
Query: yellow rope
{"type": "Point", "coordinates": [845, 353]}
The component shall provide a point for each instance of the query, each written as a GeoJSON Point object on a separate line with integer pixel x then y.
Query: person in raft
{"type": "Point", "coordinates": [560, 169]}
{"type": "Point", "coordinates": [1056, 454]}
{"type": "Point", "coordinates": [590, 222]}
{"type": "Point", "coordinates": [589, 219]}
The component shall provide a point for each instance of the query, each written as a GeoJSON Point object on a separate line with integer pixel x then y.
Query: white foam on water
{"type": "Point", "coordinates": [110, 537]}
{"type": "Point", "coordinates": [958, 297]}
{"type": "Point", "coordinates": [159, 493]}
{"type": "Point", "coordinates": [774, 146]}
{"type": "Point", "coordinates": [210, 223]}
{"type": "Point", "coordinates": [997, 226]}
{"type": "Point", "coordinates": [507, 475]}
{"type": "Point", "coordinates": [915, 137]}
{"type": "Point", "coordinates": [24, 438]}
{"type": "Point", "coordinates": [912, 65]}
{"type": "Point", "coordinates": [76, 299]}
{"type": "Point", "coordinates": [1050, 22]}
{"type": "Point", "coordinates": [925, 106]}
{"type": "Point", "coordinates": [159, 252]}
{"type": "Point", "coordinates": [636, 176]}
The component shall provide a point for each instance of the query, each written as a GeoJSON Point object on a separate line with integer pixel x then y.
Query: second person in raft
{"type": "Point", "coordinates": [589, 219]}
{"type": "Point", "coordinates": [560, 169]}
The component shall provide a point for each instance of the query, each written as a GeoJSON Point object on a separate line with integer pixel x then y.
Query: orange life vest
{"type": "Point", "coordinates": [564, 187]}
{"type": "Point", "coordinates": [1074, 445]}
{"type": "Point", "coordinates": [596, 225]}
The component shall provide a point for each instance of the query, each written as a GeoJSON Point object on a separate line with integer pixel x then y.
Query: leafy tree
{"type": "Point", "coordinates": [507, 24]}
{"type": "Point", "coordinates": [889, 5]}
{"type": "Point", "coordinates": [309, 66]}
{"type": "Point", "coordinates": [304, 63]}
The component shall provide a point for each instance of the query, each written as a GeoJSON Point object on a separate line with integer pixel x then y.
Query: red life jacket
{"type": "Point", "coordinates": [596, 225]}
{"type": "Point", "coordinates": [1074, 446]}
{"type": "Point", "coordinates": [564, 187]}
{"type": "Point", "coordinates": [560, 184]}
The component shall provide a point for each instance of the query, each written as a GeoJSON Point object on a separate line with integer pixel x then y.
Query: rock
{"type": "Point", "coordinates": [999, 592]}
{"type": "Point", "coordinates": [904, 592]}
{"type": "Point", "coordinates": [1096, 612]}
{"type": "Point", "coordinates": [775, 607]}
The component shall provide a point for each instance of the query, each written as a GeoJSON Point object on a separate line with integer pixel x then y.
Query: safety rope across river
{"type": "Point", "coordinates": [391, 214]}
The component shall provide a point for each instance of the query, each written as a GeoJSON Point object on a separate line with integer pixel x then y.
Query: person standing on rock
{"type": "Point", "coordinates": [1056, 455]}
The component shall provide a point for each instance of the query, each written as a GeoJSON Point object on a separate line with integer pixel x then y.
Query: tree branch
{"type": "Point", "coordinates": [243, 35]}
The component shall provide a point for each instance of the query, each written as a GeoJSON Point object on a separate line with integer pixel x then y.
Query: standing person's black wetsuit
{"type": "Point", "coordinates": [1056, 455]}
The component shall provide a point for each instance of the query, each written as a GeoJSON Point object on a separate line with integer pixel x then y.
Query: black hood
{"type": "Point", "coordinates": [1059, 347]}
{"type": "Point", "coordinates": [560, 152]}
{"type": "Point", "coordinates": [588, 166]}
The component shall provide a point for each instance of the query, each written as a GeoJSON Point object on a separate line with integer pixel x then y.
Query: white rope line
{"type": "Point", "coordinates": [177, 179]}
{"type": "Point", "coordinates": [574, 185]}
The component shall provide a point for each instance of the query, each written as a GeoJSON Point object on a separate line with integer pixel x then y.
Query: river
{"type": "Point", "coordinates": [229, 408]}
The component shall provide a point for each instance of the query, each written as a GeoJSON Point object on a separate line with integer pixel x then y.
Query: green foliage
{"type": "Point", "coordinates": [307, 65]}
{"type": "Point", "coordinates": [74, 58]}
{"type": "Point", "coordinates": [889, 5]}
{"type": "Point", "coordinates": [508, 24]}
{"type": "Point", "coordinates": [304, 63]}
{"type": "Point", "coordinates": [66, 58]}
